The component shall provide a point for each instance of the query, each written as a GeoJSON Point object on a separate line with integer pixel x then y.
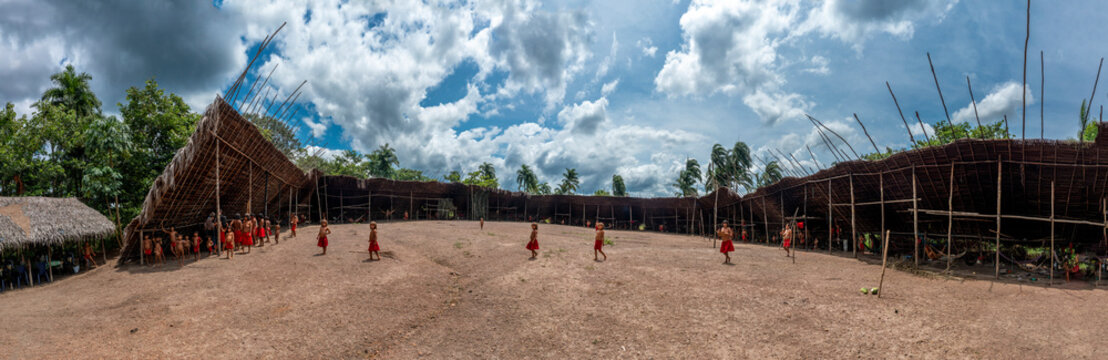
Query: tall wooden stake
{"type": "Point", "coordinates": [1052, 232]}
{"type": "Point", "coordinates": [765, 218]}
{"type": "Point", "coordinates": [881, 185]}
{"type": "Point", "coordinates": [830, 225]}
{"type": "Point", "coordinates": [915, 219]}
{"type": "Point", "coordinates": [884, 261]}
{"type": "Point", "coordinates": [1026, 40]}
{"type": "Point", "coordinates": [715, 216]}
{"type": "Point", "coordinates": [853, 229]}
{"type": "Point", "coordinates": [218, 207]}
{"type": "Point", "coordinates": [999, 174]}
{"type": "Point", "coordinates": [950, 220]}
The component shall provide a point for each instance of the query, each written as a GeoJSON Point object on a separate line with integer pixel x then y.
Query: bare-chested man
{"type": "Point", "coordinates": [598, 246]}
{"type": "Point", "coordinates": [787, 237]}
{"type": "Point", "coordinates": [292, 224]}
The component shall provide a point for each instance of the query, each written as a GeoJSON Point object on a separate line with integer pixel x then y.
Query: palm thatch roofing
{"type": "Point", "coordinates": [52, 221]}
{"type": "Point", "coordinates": [252, 174]}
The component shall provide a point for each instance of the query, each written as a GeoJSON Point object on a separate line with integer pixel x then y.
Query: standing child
{"type": "Point", "coordinates": [599, 245]}
{"type": "Point", "coordinates": [374, 248]}
{"type": "Point", "coordinates": [89, 254]}
{"type": "Point", "coordinates": [786, 243]}
{"type": "Point", "coordinates": [276, 232]}
{"type": "Point", "coordinates": [533, 244]}
{"type": "Point", "coordinates": [196, 243]}
{"type": "Point", "coordinates": [159, 256]}
{"type": "Point", "coordinates": [321, 238]}
{"type": "Point", "coordinates": [211, 249]}
{"type": "Point", "coordinates": [482, 223]}
{"type": "Point", "coordinates": [229, 243]}
{"type": "Point", "coordinates": [148, 249]}
{"type": "Point", "coordinates": [292, 224]}
{"type": "Point", "coordinates": [727, 246]}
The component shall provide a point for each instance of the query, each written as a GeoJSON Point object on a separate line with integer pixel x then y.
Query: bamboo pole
{"type": "Point", "coordinates": [915, 219]}
{"type": "Point", "coordinates": [1104, 235]}
{"type": "Point", "coordinates": [949, 221]}
{"type": "Point", "coordinates": [853, 228]}
{"type": "Point", "coordinates": [867, 133]}
{"type": "Point", "coordinates": [1052, 233]}
{"type": "Point", "coordinates": [715, 216]}
{"type": "Point", "coordinates": [807, 234]}
{"type": "Point", "coordinates": [902, 118]}
{"type": "Point", "coordinates": [884, 262]}
{"type": "Point", "coordinates": [765, 218]}
{"type": "Point", "coordinates": [974, 102]}
{"type": "Point", "coordinates": [30, 271]}
{"type": "Point", "coordinates": [941, 99]}
{"type": "Point", "coordinates": [218, 208]}
{"type": "Point", "coordinates": [999, 176]}
{"type": "Point", "coordinates": [830, 224]}
{"type": "Point", "coordinates": [881, 185]}
{"type": "Point", "coordinates": [1042, 94]}
{"type": "Point", "coordinates": [50, 257]}
{"type": "Point", "coordinates": [1023, 90]}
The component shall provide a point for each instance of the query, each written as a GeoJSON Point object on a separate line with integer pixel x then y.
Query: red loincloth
{"type": "Point", "coordinates": [726, 247]}
{"type": "Point", "coordinates": [322, 242]}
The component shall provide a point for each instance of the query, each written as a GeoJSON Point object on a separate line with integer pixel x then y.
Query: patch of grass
{"type": "Point", "coordinates": [522, 280]}
{"type": "Point", "coordinates": [561, 250]}
{"type": "Point", "coordinates": [608, 241]}
{"type": "Point", "coordinates": [491, 234]}
{"type": "Point", "coordinates": [589, 267]}
{"type": "Point", "coordinates": [458, 244]}
{"type": "Point", "coordinates": [467, 254]}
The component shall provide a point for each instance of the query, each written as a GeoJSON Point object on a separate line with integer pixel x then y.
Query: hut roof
{"type": "Point", "coordinates": [43, 220]}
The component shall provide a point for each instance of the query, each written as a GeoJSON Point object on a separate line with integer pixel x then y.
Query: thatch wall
{"type": "Point", "coordinates": [49, 221]}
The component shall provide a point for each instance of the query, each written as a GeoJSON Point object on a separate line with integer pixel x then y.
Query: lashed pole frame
{"type": "Point", "coordinates": [765, 218]}
{"type": "Point", "coordinates": [881, 186]}
{"type": "Point", "coordinates": [1052, 233]}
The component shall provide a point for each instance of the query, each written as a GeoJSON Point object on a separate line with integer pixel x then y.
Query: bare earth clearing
{"type": "Point", "coordinates": [448, 290]}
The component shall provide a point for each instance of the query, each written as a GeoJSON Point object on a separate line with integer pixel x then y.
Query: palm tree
{"type": "Point", "coordinates": [453, 176]}
{"type": "Point", "coordinates": [618, 187]}
{"type": "Point", "coordinates": [740, 161]}
{"type": "Point", "coordinates": [381, 161]}
{"type": "Point", "coordinates": [570, 181]}
{"type": "Point", "coordinates": [687, 178]}
{"type": "Point", "coordinates": [487, 170]}
{"type": "Point", "coordinates": [526, 179]}
{"type": "Point", "coordinates": [719, 169]}
{"type": "Point", "coordinates": [769, 175]}
{"type": "Point", "coordinates": [544, 189]}
{"type": "Point", "coordinates": [72, 92]}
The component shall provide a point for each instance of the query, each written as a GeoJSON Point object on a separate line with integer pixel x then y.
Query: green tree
{"type": "Point", "coordinates": [526, 180]}
{"type": "Point", "coordinates": [487, 171]}
{"type": "Point", "coordinates": [406, 174]}
{"type": "Point", "coordinates": [280, 134]}
{"type": "Point", "coordinates": [618, 187]}
{"type": "Point", "coordinates": [72, 91]}
{"type": "Point", "coordinates": [382, 160]}
{"type": "Point", "coordinates": [479, 178]}
{"type": "Point", "coordinates": [18, 146]}
{"type": "Point", "coordinates": [688, 178]}
{"type": "Point", "coordinates": [454, 177]}
{"type": "Point", "coordinates": [160, 123]}
{"type": "Point", "coordinates": [109, 143]}
{"type": "Point", "coordinates": [544, 189]}
{"type": "Point", "coordinates": [769, 175]}
{"type": "Point", "coordinates": [570, 181]}
{"type": "Point", "coordinates": [601, 192]}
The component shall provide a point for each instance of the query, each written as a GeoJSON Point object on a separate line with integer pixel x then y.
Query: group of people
{"type": "Point", "coordinates": [533, 242]}
{"type": "Point", "coordinates": [222, 234]}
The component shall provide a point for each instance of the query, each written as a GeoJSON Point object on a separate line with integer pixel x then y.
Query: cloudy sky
{"type": "Point", "coordinates": [629, 87]}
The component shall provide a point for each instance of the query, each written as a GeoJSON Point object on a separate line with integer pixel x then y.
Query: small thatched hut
{"type": "Point", "coordinates": [28, 221]}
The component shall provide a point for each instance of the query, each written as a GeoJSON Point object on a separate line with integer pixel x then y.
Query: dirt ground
{"type": "Point", "coordinates": [450, 290]}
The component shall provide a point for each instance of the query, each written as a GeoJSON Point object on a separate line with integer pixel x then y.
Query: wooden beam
{"type": "Point", "coordinates": [1052, 233]}
{"type": "Point", "coordinates": [949, 220]}
{"type": "Point", "coordinates": [999, 184]}
{"type": "Point", "coordinates": [884, 261]}
{"type": "Point", "coordinates": [900, 201]}
{"type": "Point", "coordinates": [853, 229]}
{"type": "Point", "coordinates": [915, 220]}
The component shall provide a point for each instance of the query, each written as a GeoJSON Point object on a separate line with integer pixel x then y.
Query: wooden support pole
{"type": "Point", "coordinates": [1104, 231]}
{"type": "Point", "coordinates": [830, 213]}
{"type": "Point", "coordinates": [915, 219]}
{"type": "Point", "coordinates": [853, 229]}
{"type": "Point", "coordinates": [884, 262]}
{"type": "Point", "coordinates": [765, 218]}
{"type": "Point", "coordinates": [368, 204]}
{"type": "Point", "coordinates": [807, 237]}
{"type": "Point", "coordinates": [999, 177]}
{"type": "Point", "coordinates": [949, 221]}
{"type": "Point", "coordinates": [27, 265]}
{"type": "Point", "coordinates": [881, 185]}
{"type": "Point", "coordinates": [142, 254]}
{"type": "Point", "coordinates": [50, 257]}
{"type": "Point", "coordinates": [1051, 233]}
{"type": "Point", "coordinates": [218, 207]}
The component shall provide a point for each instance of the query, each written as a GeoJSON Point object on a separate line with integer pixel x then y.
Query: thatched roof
{"type": "Point", "coordinates": [254, 176]}
{"type": "Point", "coordinates": [42, 220]}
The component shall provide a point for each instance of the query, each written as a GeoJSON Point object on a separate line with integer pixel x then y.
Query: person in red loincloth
{"type": "Point", "coordinates": [598, 246]}
{"type": "Point", "coordinates": [321, 238]}
{"type": "Point", "coordinates": [533, 244]}
{"type": "Point", "coordinates": [787, 236]}
{"type": "Point", "coordinates": [229, 243]}
{"type": "Point", "coordinates": [374, 248]}
{"type": "Point", "coordinates": [727, 246]}
{"type": "Point", "coordinates": [88, 254]}
{"type": "Point", "coordinates": [196, 242]}
{"type": "Point", "coordinates": [148, 249]}
{"type": "Point", "coordinates": [292, 224]}
{"type": "Point", "coordinates": [482, 223]}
